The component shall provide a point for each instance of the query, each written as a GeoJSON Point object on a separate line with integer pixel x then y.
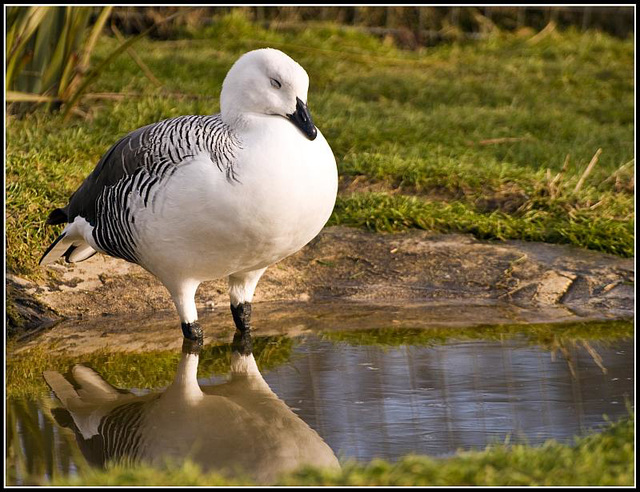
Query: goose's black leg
{"type": "Point", "coordinates": [192, 331]}
{"type": "Point", "coordinates": [242, 316]}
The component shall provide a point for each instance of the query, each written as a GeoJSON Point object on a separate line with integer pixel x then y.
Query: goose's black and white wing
{"type": "Point", "coordinates": [107, 421]}
{"type": "Point", "coordinates": [137, 165]}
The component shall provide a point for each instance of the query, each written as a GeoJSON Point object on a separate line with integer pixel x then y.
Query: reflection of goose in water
{"type": "Point", "coordinates": [240, 425]}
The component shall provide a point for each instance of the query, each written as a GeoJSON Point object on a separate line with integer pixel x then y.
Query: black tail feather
{"type": "Point", "coordinates": [67, 254]}
{"type": "Point", "coordinates": [58, 216]}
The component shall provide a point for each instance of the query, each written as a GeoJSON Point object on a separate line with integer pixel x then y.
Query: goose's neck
{"type": "Point", "coordinates": [244, 121]}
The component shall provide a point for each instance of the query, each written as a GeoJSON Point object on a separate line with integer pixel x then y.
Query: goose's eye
{"type": "Point", "coordinates": [276, 84]}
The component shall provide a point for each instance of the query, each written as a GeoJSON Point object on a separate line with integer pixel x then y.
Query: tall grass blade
{"type": "Point", "coordinates": [48, 54]}
{"type": "Point", "coordinates": [134, 56]}
{"type": "Point", "coordinates": [96, 71]}
{"type": "Point", "coordinates": [16, 96]}
{"type": "Point", "coordinates": [25, 28]}
{"type": "Point", "coordinates": [93, 38]}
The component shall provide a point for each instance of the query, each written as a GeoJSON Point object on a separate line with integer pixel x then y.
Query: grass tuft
{"type": "Point", "coordinates": [378, 211]}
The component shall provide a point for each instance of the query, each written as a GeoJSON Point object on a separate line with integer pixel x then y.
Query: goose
{"type": "Point", "coordinates": [197, 198]}
{"type": "Point", "coordinates": [239, 427]}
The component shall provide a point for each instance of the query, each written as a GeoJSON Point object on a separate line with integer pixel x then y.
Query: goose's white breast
{"type": "Point", "coordinates": [211, 227]}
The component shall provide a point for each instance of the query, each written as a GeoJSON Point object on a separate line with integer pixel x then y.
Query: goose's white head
{"type": "Point", "coordinates": [267, 82]}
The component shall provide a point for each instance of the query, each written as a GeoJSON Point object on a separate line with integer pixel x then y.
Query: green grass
{"type": "Point", "coordinates": [605, 458]}
{"type": "Point", "coordinates": [382, 212]}
{"type": "Point", "coordinates": [411, 128]}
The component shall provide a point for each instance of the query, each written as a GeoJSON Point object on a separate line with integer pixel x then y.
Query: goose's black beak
{"type": "Point", "coordinates": [302, 119]}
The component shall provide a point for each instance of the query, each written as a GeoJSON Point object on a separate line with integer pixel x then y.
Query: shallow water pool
{"type": "Point", "coordinates": [361, 394]}
{"type": "Point", "coordinates": [386, 402]}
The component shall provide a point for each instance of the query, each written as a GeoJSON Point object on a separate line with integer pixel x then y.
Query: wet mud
{"type": "Point", "coordinates": [343, 265]}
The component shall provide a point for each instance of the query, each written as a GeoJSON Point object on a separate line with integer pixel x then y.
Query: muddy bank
{"type": "Point", "coordinates": [358, 266]}
{"type": "Point", "coordinates": [161, 331]}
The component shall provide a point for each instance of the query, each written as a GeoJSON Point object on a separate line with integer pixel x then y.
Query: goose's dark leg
{"type": "Point", "coordinates": [242, 316]}
{"type": "Point", "coordinates": [241, 289]}
{"type": "Point", "coordinates": [192, 332]}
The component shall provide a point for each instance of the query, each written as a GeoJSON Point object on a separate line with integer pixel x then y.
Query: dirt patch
{"type": "Point", "coordinates": [355, 265]}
